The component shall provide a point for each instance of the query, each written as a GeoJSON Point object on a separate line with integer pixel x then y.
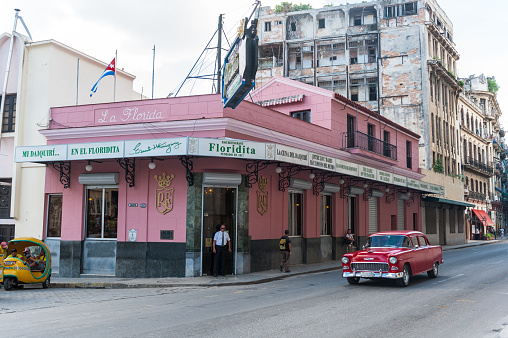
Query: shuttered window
{"type": "Point", "coordinates": [373, 227]}
{"type": "Point", "coordinates": [400, 216]}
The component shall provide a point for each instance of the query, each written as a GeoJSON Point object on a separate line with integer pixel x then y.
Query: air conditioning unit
{"type": "Point", "coordinates": [466, 192]}
{"type": "Point", "coordinates": [307, 49]}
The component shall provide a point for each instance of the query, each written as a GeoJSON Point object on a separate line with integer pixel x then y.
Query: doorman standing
{"type": "Point", "coordinates": [220, 240]}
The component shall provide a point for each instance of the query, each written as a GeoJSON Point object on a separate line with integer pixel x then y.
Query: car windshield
{"type": "Point", "coordinates": [388, 241]}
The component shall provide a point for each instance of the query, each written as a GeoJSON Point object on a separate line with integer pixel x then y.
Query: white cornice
{"type": "Point", "coordinates": [189, 127]}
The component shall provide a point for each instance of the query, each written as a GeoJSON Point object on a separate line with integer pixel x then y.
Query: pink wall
{"type": "Point", "coordinates": [328, 117]}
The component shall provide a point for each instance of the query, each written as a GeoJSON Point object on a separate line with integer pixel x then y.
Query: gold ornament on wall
{"type": "Point", "coordinates": [164, 194]}
{"type": "Point", "coordinates": [262, 195]}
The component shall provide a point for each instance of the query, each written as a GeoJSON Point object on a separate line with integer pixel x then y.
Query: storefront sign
{"type": "Point", "coordinates": [411, 183]}
{"type": "Point", "coordinates": [240, 66]}
{"type": "Point", "coordinates": [132, 114]}
{"type": "Point", "coordinates": [291, 155]}
{"type": "Point", "coordinates": [227, 148]}
{"type": "Point", "coordinates": [91, 151]}
{"type": "Point", "coordinates": [345, 167]}
{"type": "Point", "coordinates": [262, 196]}
{"type": "Point", "coordinates": [164, 194]}
{"type": "Point", "coordinates": [322, 162]}
{"type": "Point", "coordinates": [384, 176]}
{"type": "Point", "coordinates": [436, 189]}
{"type": "Point", "coordinates": [400, 180]}
{"type": "Point", "coordinates": [156, 147]}
{"type": "Point", "coordinates": [424, 186]}
{"type": "Point", "coordinates": [41, 153]}
{"type": "Point", "coordinates": [367, 172]}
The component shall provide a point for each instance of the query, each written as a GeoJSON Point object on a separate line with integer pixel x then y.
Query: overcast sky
{"type": "Point", "coordinates": [180, 31]}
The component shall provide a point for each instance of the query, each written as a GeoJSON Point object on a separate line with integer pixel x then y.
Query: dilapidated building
{"type": "Point", "coordinates": [395, 57]}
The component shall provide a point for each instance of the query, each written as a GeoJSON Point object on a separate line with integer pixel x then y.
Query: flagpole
{"type": "Point", "coordinates": [153, 68]}
{"type": "Point", "coordinates": [77, 82]}
{"type": "Point", "coordinates": [116, 64]}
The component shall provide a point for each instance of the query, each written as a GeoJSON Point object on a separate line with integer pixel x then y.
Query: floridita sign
{"type": "Point", "coordinates": [133, 114]}
{"type": "Point", "coordinates": [212, 147]}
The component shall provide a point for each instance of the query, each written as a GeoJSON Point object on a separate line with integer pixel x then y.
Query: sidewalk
{"type": "Point", "coordinates": [103, 282]}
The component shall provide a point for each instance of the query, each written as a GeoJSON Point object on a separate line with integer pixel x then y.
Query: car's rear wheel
{"type": "Point", "coordinates": [9, 283]}
{"type": "Point", "coordinates": [46, 283]}
{"type": "Point", "coordinates": [353, 280]}
{"type": "Point", "coordinates": [406, 275]}
{"type": "Point", "coordinates": [435, 269]}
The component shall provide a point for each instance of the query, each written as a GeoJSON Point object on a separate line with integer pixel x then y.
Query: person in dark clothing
{"type": "Point", "coordinates": [285, 251]}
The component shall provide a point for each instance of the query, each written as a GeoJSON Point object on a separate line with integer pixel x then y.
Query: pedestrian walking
{"type": "Point", "coordinates": [285, 251]}
{"type": "Point", "coordinates": [220, 241]}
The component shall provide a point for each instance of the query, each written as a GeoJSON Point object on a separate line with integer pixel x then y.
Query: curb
{"type": "Point", "coordinates": [120, 285]}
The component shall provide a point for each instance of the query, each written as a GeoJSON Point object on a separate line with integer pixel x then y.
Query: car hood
{"type": "Point", "coordinates": [377, 254]}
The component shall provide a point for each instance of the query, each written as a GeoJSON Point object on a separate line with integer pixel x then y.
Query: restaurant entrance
{"type": "Point", "coordinates": [219, 206]}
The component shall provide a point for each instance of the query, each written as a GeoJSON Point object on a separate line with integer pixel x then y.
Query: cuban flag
{"type": "Point", "coordinates": [110, 70]}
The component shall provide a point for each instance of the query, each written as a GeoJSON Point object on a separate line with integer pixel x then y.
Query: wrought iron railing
{"type": "Point", "coordinates": [485, 167]}
{"type": "Point", "coordinates": [477, 196]}
{"type": "Point", "coordinates": [358, 139]}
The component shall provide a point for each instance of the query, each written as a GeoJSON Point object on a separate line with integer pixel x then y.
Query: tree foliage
{"type": "Point", "coordinates": [286, 7]}
{"type": "Point", "coordinates": [493, 87]}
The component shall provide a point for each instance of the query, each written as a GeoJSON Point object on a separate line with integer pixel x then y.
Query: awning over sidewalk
{"type": "Point", "coordinates": [484, 218]}
{"type": "Point", "coordinates": [444, 200]}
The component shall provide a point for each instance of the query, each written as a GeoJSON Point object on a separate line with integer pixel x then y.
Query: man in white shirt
{"type": "Point", "coordinates": [220, 240]}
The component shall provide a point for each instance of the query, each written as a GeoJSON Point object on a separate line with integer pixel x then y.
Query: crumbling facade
{"type": "Point", "coordinates": [395, 57]}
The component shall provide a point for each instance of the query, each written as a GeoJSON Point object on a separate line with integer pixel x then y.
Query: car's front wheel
{"type": "Point", "coordinates": [353, 280]}
{"type": "Point", "coordinates": [406, 275]}
{"type": "Point", "coordinates": [433, 273]}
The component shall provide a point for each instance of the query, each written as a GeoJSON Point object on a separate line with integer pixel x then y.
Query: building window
{"type": "Point", "coordinates": [409, 162]}
{"type": "Point", "coordinates": [401, 10]}
{"type": "Point", "coordinates": [295, 217]}
{"type": "Point", "coordinates": [302, 115]}
{"type": "Point", "coordinates": [102, 212]}
{"type": "Point", "coordinates": [5, 198]}
{"type": "Point", "coordinates": [268, 26]}
{"type": "Point", "coordinates": [54, 220]}
{"type": "Point", "coordinates": [362, 51]}
{"type": "Point", "coordinates": [357, 21]}
{"type": "Point", "coordinates": [293, 26]}
{"type": "Point", "coordinates": [9, 114]}
{"type": "Point", "coordinates": [277, 23]}
{"type": "Point", "coordinates": [372, 92]}
{"type": "Point", "coordinates": [326, 215]}
{"type": "Point", "coordinates": [370, 137]}
{"type": "Point", "coordinates": [350, 131]}
{"type": "Point", "coordinates": [321, 23]}
{"type": "Point", "coordinates": [386, 144]}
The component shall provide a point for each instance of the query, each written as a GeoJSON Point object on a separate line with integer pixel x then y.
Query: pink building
{"type": "Point", "coordinates": [138, 188]}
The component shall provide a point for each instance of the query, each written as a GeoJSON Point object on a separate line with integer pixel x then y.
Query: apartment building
{"type": "Point", "coordinates": [395, 57]}
{"type": "Point", "coordinates": [484, 150]}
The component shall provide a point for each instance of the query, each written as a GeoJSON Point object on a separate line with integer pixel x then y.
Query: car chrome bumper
{"type": "Point", "coordinates": [372, 274]}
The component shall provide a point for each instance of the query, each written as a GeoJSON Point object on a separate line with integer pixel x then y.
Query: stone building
{"type": "Point", "coordinates": [483, 148]}
{"type": "Point", "coordinates": [395, 57]}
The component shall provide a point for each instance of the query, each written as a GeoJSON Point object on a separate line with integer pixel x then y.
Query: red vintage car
{"type": "Point", "coordinates": [393, 255]}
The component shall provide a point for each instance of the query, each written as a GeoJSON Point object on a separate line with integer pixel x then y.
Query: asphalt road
{"type": "Point", "coordinates": [468, 299]}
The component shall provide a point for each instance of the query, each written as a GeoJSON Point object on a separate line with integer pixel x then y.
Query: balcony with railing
{"type": "Point", "coordinates": [363, 141]}
{"type": "Point", "coordinates": [480, 167]}
{"type": "Point", "coordinates": [474, 195]}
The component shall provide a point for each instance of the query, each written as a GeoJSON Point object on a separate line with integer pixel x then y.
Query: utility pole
{"type": "Point", "coordinates": [219, 61]}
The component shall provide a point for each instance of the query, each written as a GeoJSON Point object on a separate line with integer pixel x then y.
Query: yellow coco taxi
{"type": "Point", "coordinates": [28, 261]}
